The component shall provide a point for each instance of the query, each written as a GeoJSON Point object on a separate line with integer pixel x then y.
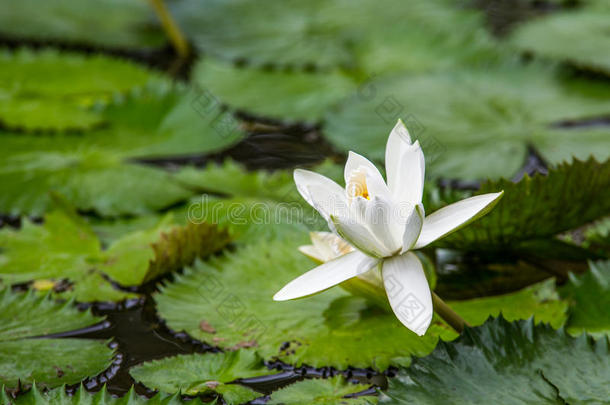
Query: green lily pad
{"type": "Point", "coordinates": [92, 180]}
{"type": "Point", "coordinates": [284, 33]}
{"type": "Point", "coordinates": [484, 116]}
{"type": "Point", "coordinates": [125, 23]}
{"type": "Point", "coordinates": [539, 207]}
{"type": "Point", "coordinates": [195, 374]}
{"type": "Point", "coordinates": [507, 363]}
{"type": "Point", "coordinates": [58, 396]}
{"type": "Point", "coordinates": [232, 179]}
{"type": "Point", "coordinates": [539, 300]}
{"type": "Point", "coordinates": [277, 94]}
{"type": "Point", "coordinates": [50, 361]}
{"type": "Point", "coordinates": [65, 247]}
{"type": "Point", "coordinates": [234, 293]}
{"type": "Point", "coordinates": [96, 171]}
{"type": "Point", "coordinates": [419, 37]}
{"type": "Point", "coordinates": [331, 391]}
{"type": "Point", "coordinates": [357, 34]}
{"type": "Point", "coordinates": [577, 37]}
{"type": "Point", "coordinates": [589, 295]}
{"type": "Point", "coordinates": [50, 90]}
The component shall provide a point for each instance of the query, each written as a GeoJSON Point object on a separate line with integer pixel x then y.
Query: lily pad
{"type": "Point", "coordinates": [163, 120]}
{"type": "Point", "coordinates": [195, 374]}
{"type": "Point", "coordinates": [278, 94]}
{"type": "Point", "coordinates": [539, 207]}
{"type": "Point", "coordinates": [576, 37]}
{"type": "Point", "coordinates": [589, 295]}
{"type": "Point", "coordinates": [233, 295]}
{"type": "Point", "coordinates": [92, 180]}
{"type": "Point", "coordinates": [66, 248]}
{"type": "Point", "coordinates": [330, 391]}
{"type": "Point", "coordinates": [508, 363]}
{"type": "Point", "coordinates": [540, 301]}
{"type": "Point", "coordinates": [280, 32]}
{"type": "Point", "coordinates": [125, 24]}
{"type": "Point", "coordinates": [419, 37]}
{"type": "Point", "coordinates": [484, 116]}
{"type": "Point", "coordinates": [50, 90]}
{"type": "Point", "coordinates": [58, 396]}
{"type": "Point", "coordinates": [232, 179]}
{"type": "Point", "coordinates": [48, 361]}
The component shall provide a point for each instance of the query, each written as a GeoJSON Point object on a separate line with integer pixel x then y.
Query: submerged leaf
{"type": "Point", "coordinates": [48, 361]}
{"type": "Point", "coordinates": [507, 363]}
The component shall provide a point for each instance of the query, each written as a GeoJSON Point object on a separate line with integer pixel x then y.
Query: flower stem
{"type": "Point", "coordinates": [171, 28]}
{"type": "Point", "coordinates": [448, 314]}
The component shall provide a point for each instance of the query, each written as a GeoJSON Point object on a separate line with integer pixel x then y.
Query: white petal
{"type": "Point", "coordinates": [360, 236]}
{"type": "Point", "coordinates": [455, 216]}
{"type": "Point", "coordinates": [412, 228]}
{"type": "Point", "coordinates": [319, 191]}
{"type": "Point", "coordinates": [329, 245]}
{"type": "Point", "coordinates": [375, 183]}
{"type": "Point", "coordinates": [327, 203]}
{"type": "Point", "coordinates": [405, 166]}
{"type": "Point", "coordinates": [382, 219]}
{"type": "Point", "coordinates": [408, 291]}
{"type": "Point", "coordinates": [313, 253]}
{"type": "Point", "coordinates": [326, 275]}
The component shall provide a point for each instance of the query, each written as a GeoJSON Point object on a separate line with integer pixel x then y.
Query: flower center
{"type": "Point", "coordinates": [356, 184]}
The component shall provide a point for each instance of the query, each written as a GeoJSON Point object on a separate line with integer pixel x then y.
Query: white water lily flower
{"type": "Point", "coordinates": [382, 222]}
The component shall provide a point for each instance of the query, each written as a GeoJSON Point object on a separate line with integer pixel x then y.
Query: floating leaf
{"type": "Point", "coordinates": [277, 94]}
{"type": "Point", "coordinates": [589, 294]}
{"type": "Point", "coordinates": [233, 294]}
{"type": "Point", "coordinates": [285, 33]}
{"type": "Point", "coordinates": [49, 361]}
{"type": "Point", "coordinates": [539, 206]}
{"type": "Point", "coordinates": [232, 179]}
{"type": "Point", "coordinates": [325, 34]}
{"type": "Point", "coordinates": [419, 37]}
{"type": "Point", "coordinates": [508, 363]}
{"type": "Point", "coordinates": [91, 180]}
{"type": "Point", "coordinates": [51, 90]}
{"type": "Point", "coordinates": [58, 396]}
{"type": "Point", "coordinates": [540, 301]}
{"type": "Point", "coordinates": [483, 116]}
{"type": "Point", "coordinates": [64, 247]}
{"type": "Point", "coordinates": [125, 23]}
{"type": "Point", "coordinates": [330, 391]}
{"type": "Point", "coordinates": [195, 374]}
{"type": "Point", "coordinates": [577, 37]}
{"type": "Point", "coordinates": [96, 171]}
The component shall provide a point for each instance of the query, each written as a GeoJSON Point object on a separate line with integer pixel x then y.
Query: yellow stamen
{"type": "Point", "coordinates": [356, 185]}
